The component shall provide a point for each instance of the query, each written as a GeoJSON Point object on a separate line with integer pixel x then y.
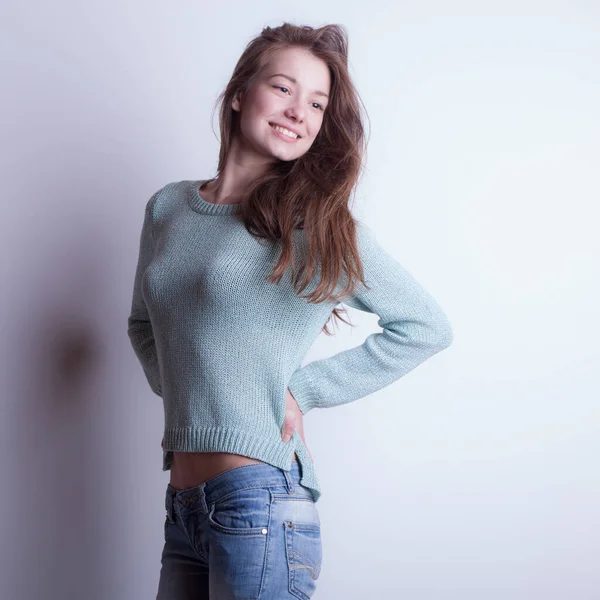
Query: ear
{"type": "Point", "coordinates": [236, 103]}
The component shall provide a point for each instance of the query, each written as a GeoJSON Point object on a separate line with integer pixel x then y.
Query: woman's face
{"type": "Point", "coordinates": [292, 93]}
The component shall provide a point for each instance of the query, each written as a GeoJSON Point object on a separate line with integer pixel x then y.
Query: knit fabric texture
{"type": "Point", "coordinates": [220, 345]}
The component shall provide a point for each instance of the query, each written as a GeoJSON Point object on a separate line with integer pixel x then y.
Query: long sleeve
{"type": "Point", "coordinates": [139, 327]}
{"type": "Point", "coordinates": [414, 328]}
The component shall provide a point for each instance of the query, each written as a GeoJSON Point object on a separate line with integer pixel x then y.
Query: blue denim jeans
{"type": "Point", "coordinates": [251, 532]}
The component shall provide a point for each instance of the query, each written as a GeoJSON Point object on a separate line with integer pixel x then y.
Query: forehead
{"type": "Point", "coordinates": [310, 72]}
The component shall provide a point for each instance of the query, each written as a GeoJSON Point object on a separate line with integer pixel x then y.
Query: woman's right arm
{"type": "Point", "coordinates": [139, 327]}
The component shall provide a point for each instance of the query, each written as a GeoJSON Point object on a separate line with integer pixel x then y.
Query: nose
{"type": "Point", "coordinates": [296, 113]}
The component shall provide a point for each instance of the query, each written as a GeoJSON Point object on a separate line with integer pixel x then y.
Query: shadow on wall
{"type": "Point", "coordinates": [64, 527]}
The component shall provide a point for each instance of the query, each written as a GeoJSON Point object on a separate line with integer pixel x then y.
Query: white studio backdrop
{"type": "Point", "coordinates": [475, 476]}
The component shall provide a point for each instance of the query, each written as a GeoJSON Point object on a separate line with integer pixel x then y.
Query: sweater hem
{"type": "Point", "coordinates": [235, 441]}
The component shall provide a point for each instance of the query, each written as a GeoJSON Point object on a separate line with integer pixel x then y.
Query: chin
{"type": "Point", "coordinates": [288, 158]}
{"type": "Point", "coordinates": [285, 156]}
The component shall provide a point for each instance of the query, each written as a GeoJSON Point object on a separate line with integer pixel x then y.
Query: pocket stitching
{"type": "Point", "coordinates": [296, 561]}
{"type": "Point", "coordinates": [235, 530]}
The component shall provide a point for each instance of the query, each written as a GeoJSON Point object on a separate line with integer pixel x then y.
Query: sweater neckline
{"type": "Point", "coordinates": [202, 206]}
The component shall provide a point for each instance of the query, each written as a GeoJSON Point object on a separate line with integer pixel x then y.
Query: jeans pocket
{"type": "Point", "coordinates": [304, 553]}
{"type": "Point", "coordinates": [243, 512]}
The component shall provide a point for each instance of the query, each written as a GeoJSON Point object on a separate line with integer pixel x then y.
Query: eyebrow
{"type": "Point", "coordinates": [294, 81]}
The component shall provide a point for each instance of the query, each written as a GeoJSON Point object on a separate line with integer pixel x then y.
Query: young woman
{"type": "Point", "coordinates": [236, 277]}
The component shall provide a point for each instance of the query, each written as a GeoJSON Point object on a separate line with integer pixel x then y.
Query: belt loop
{"type": "Point", "coordinates": [289, 481]}
{"type": "Point", "coordinates": [169, 505]}
{"type": "Point", "coordinates": [203, 498]}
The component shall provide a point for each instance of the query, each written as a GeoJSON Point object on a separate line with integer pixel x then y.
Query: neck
{"type": "Point", "coordinates": [241, 170]}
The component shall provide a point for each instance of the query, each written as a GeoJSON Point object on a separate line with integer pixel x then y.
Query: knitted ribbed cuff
{"type": "Point", "coordinates": [301, 388]}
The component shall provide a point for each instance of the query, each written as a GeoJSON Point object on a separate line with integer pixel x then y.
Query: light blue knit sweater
{"type": "Point", "coordinates": [220, 344]}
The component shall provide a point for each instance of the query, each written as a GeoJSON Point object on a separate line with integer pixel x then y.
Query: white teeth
{"type": "Point", "coordinates": [285, 131]}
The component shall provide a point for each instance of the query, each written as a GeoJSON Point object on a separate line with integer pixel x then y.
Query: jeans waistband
{"type": "Point", "coordinates": [238, 478]}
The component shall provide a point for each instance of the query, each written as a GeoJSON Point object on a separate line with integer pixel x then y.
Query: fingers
{"type": "Point", "coordinates": [289, 431]}
{"type": "Point", "coordinates": [289, 424]}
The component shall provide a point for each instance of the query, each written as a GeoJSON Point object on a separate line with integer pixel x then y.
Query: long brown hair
{"type": "Point", "coordinates": [312, 192]}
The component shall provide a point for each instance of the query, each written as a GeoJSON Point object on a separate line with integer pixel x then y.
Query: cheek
{"type": "Point", "coordinates": [254, 107]}
{"type": "Point", "coordinates": [264, 106]}
{"type": "Point", "coordinates": [255, 119]}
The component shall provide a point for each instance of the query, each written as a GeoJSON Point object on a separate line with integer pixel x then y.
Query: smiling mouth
{"type": "Point", "coordinates": [285, 131]}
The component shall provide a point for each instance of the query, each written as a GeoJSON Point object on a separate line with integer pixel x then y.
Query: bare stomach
{"type": "Point", "coordinates": [189, 469]}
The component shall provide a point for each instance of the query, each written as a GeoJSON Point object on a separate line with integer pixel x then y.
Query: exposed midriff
{"type": "Point", "coordinates": [190, 469]}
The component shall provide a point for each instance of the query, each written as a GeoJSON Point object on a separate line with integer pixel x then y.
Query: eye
{"type": "Point", "coordinates": [284, 89]}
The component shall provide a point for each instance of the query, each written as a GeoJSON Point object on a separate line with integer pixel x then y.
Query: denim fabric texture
{"type": "Point", "coordinates": [251, 532]}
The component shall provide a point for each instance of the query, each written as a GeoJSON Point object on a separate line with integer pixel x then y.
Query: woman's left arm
{"type": "Point", "coordinates": [414, 328]}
